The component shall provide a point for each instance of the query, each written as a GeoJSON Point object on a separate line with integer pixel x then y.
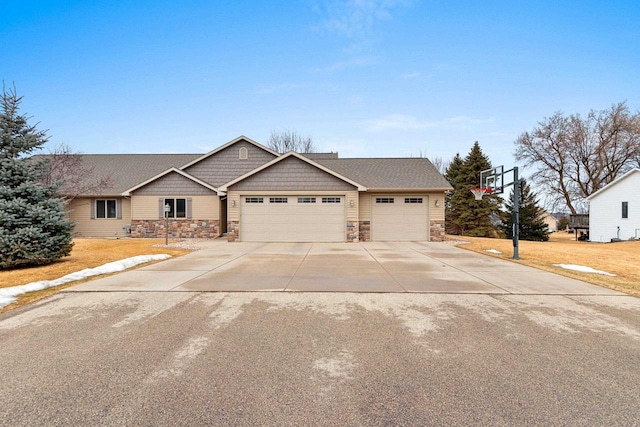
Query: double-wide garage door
{"type": "Point", "coordinates": [399, 218]}
{"type": "Point", "coordinates": [292, 219]}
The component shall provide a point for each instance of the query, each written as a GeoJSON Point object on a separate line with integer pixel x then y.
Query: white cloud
{"type": "Point", "coordinates": [356, 19]}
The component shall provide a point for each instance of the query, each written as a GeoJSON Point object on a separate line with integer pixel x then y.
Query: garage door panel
{"type": "Point", "coordinates": [400, 218]}
{"type": "Point", "coordinates": [292, 221]}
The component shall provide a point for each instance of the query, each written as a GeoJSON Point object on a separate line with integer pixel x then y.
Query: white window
{"type": "Point", "coordinates": [384, 199]}
{"type": "Point", "coordinates": [106, 209]}
{"type": "Point", "coordinates": [243, 153]}
{"type": "Point", "coordinates": [177, 208]}
{"type": "Point", "coordinates": [278, 200]}
{"type": "Point", "coordinates": [306, 199]}
{"type": "Point", "coordinates": [331, 200]}
{"type": "Point", "coordinates": [413, 200]}
{"type": "Point", "coordinates": [254, 200]}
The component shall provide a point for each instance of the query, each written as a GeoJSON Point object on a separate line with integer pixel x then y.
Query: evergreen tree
{"type": "Point", "coordinates": [34, 229]}
{"type": "Point", "coordinates": [532, 225]}
{"type": "Point", "coordinates": [452, 211]}
{"type": "Point", "coordinates": [473, 217]}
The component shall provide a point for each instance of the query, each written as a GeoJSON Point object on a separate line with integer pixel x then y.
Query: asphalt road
{"type": "Point", "coordinates": [185, 358]}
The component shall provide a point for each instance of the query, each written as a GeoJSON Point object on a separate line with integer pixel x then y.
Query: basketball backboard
{"type": "Point", "coordinates": [492, 178]}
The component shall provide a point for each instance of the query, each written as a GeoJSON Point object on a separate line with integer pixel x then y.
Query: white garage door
{"type": "Point", "coordinates": [400, 218]}
{"type": "Point", "coordinates": [292, 219]}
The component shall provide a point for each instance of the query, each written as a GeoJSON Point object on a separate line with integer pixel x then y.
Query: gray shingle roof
{"type": "Point", "coordinates": [389, 173]}
{"type": "Point", "coordinates": [127, 170]}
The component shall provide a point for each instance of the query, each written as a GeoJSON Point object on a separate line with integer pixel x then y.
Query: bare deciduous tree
{"type": "Point", "coordinates": [65, 168]}
{"type": "Point", "coordinates": [576, 156]}
{"type": "Point", "coordinates": [290, 140]}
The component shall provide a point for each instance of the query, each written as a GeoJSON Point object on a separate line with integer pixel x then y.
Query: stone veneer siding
{"type": "Point", "coordinates": [365, 231]}
{"type": "Point", "coordinates": [352, 231]}
{"type": "Point", "coordinates": [437, 231]}
{"type": "Point", "coordinates": [233, 230]}
{"type": "Point", "coordinates": [178, 228]}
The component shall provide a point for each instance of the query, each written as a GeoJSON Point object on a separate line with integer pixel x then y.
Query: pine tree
{"type": "Point", "coordinates": [34, 229]}
{"type": "Point", "coordinates": [532, 225]}
{"type": "Point", "coordinates": [452, 212]}
{"type": "Point", "coordinates": [473, 217]}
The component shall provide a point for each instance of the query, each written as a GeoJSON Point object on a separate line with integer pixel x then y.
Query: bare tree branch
{"type": "Point", "coordinates": [65, 168]}
{"type": "Point", "coordinates": [575, 156]}
{"type": "Point", "coordinates": [290, 140]}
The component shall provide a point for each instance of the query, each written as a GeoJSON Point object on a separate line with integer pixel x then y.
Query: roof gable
{"type": "Point", "coordinates": [166, 173]}
{"type": "Point", "coordinates": [284, 158]}
{"type": "Point", "coordinates": [607, 187]}
{"type": "Point", "coordinates": [229, 162]}
{"type": "Point", "coordinates": [229, 144]}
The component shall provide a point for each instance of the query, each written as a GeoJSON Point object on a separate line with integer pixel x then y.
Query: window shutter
{"type": "Point", "coordinates": [188, 208]}
{"type": "Point", "coordinates": [161, 208]}
{"type": "Point", "coordinates": [118, 209]}
{"type": "Point", "coordinates": [92, 208]}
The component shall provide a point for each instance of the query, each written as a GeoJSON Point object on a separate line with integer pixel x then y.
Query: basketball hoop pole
{"type": "Point", "coordinates": [493, 179]}
{"type": "Point", "coordinates": [516, 213]}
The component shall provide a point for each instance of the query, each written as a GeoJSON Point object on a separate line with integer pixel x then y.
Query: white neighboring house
{"type": "Point", "coordinates": [614, 210]}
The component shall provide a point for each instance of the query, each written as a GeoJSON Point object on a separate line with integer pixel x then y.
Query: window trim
{"type": "Point", "coordinates": [385, 200]}
{"type": "Point", "coordinates": [306, 200]}
{"type": "Point", "coordinates": [106, 209]}
{"type": "Point", "coordinates": [413, 200]}
{"type": "Point", "coordinates": [278, 200]}
{"type": "Point", "coordinates": [175, 207]}
{"type": "Point", "coordinates": [332, 200]}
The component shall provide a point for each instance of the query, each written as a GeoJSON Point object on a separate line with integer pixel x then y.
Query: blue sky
{"type": "Point", "coordinates": [368, 78]}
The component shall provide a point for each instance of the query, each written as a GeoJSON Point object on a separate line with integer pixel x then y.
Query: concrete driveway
{"type": "Point", "coordinates": [498, 355]}
{"type": "Point", "coordinates": [341, 267]}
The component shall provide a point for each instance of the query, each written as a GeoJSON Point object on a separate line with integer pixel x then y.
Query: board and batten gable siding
{"type": "Point", "coordinates": [226, 165]}
{"type": "Point", "coordinates": [605, 211]}
{"type": "Point", "coordinates": [173, 183]}
{"type": "Point", "coordinates": [292, 174]}
{"type": "Point", "coordinates": [202, 207]}
{"type": "Point", "coordinates": [435, 213]}
{"type": "Point", "coordinates": [79, 211]}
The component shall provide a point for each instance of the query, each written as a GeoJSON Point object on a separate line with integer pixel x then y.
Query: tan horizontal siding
{"type": "Point", "coordinates": [202, 207]}
{"type": "Point", "coordinates": [351, 197]}
{"type": "Point", "coordinates": [79, 211]}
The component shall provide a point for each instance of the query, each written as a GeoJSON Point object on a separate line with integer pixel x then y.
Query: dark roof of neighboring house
{"type": "Point", "coordinates": [127, 170]}
{"type": "Point", "coordinates": [389, 173]}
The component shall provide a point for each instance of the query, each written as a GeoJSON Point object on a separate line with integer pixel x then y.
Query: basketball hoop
{"type": "Point", "coordinates": [479, 192]}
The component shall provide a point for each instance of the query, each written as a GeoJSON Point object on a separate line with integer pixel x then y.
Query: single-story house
{"type": "Point", "coordinates": [614, 210]}
{"type": "Point", "coordinates": [551, 221]}
{"type": "Point", "coordinates": [249, 192]}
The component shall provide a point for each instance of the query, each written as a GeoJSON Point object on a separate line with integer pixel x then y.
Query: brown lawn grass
{"type": "Point", "coordinates": [86, 253]}
{"type": "Point", "coordinates": [621, 259]}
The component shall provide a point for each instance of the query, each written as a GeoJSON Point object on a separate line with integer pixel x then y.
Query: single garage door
{"type": "Point", "coordinates": [292, 219]}
{"type": "Point", "coordinates": [400, 218]}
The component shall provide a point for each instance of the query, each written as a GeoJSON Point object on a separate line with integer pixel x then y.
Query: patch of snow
{"type": "Point", "coordinates": [583, 269]}
{"type": "Point", "coordinates": [9, 295]}
{"type": "Point", "coordinates": [493, 251]}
